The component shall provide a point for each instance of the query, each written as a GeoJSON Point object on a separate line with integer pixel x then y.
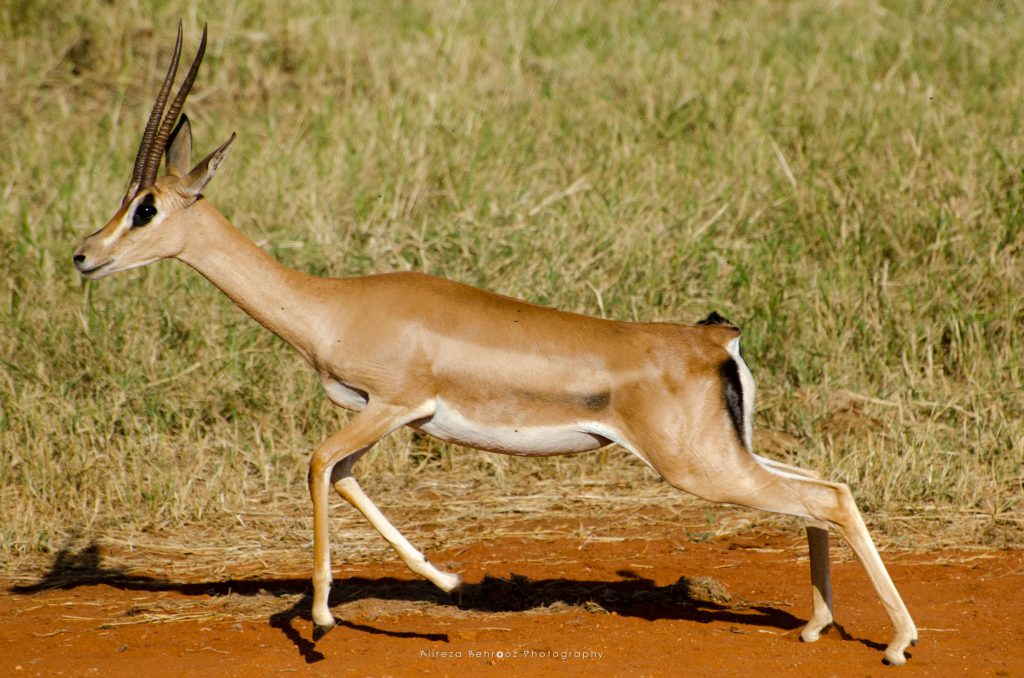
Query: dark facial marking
{"type": "Point", "coordinates": [145, 211]}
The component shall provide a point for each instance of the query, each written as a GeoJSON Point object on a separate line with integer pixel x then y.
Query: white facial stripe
{"type": "Point", "coordinates": [123, 226]}
{"type": "Point", "coordinates": [109, 239]}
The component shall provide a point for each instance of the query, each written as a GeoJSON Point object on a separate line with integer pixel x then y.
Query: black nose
{"type": "Point", "coordinates": [79, 258]}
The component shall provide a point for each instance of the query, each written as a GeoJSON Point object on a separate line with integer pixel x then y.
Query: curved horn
{"type": "Point", "coordinates": [155, 151]}
{"type": "Point", "coordinates": [154, 121]}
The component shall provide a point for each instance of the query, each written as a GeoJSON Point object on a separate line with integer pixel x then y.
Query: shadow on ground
{"type": "Point", "coordinates": [632, 596]}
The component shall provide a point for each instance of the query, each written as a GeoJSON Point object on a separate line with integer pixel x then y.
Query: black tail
{"type": "Point", "coordinates": [715, 319]}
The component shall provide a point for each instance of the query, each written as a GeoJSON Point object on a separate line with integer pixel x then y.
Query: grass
{"type": "Point", "coordinates": [842, 181]}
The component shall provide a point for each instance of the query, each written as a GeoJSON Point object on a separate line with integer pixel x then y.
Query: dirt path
{"type": "Point", "coordinates": [607, 607]}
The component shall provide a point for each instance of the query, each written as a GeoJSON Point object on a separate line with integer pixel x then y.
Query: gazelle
{"type": "Point", "coordinates": [480, 370]}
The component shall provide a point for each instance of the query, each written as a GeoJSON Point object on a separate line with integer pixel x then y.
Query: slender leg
{"type": "Point", "coordinates": [363, 431]}
{"type": "Point", "coordinates": [348, 487]}
{"type": "Point", "coordinates": [821, 583]}
{"type": "Point", "coordinates": [817, 542]}
{"type": "Point", "coordinates": [855, 532]}
{"type": "Point", "coordinates": [746, 481]}
{"type": "Point", "coordinates": [833, 503]}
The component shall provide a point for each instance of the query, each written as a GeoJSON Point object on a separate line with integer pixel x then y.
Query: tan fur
{"type": "Point", "coordinates": [477, 368]}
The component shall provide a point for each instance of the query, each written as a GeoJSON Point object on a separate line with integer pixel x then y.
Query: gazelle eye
{"type": "Point", "coordinates": [145, 212]}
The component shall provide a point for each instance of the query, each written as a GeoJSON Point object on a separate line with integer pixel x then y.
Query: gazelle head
{"type": "Point", "coordinates": [153, 220]}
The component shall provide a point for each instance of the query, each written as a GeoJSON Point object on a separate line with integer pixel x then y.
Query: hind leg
{"type": "Point", "coordinates": [732, 475]}
{"type": "Point", "coordinates": [817, 546]}
{"type": "Point", "coordinates": [821, 583]}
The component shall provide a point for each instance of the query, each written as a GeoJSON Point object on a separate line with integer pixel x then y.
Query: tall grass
{"type": "Point", "coordinates": [842, 180]}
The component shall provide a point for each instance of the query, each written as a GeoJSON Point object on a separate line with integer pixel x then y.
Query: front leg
{"type": "Point", "coordinates": [363, 431]}
{"type": "Point", "coordinates": [348, 487]}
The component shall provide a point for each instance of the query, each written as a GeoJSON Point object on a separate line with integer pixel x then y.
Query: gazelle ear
{"type": "Point", "coordinates": [203, 172]}
{"type": "Point", "coordinates": [179, 149]}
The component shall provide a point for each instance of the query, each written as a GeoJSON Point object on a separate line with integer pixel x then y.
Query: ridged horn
{"type": "Point", "coordinates": [154, 122]}
{"type": "Point", "coordinates": [155, 151]}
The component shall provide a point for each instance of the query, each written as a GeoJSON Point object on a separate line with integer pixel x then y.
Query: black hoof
{"type": "Point", "coordinates": [913, 643]}
{"type": "Point", "coordinates": [320, 631]}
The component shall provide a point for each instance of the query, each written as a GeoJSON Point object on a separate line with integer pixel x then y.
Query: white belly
{"type": "Point", "coordinates": [449, 425]}
{"type": "Point", "coordinates": [525, 440]}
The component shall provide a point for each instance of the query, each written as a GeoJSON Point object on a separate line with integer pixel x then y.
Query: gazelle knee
{"type": "Point", "coordinates": [346, 486]}
{"type": "Point", "coordinates": [843, 513]}
{"type": "Point", "coordinates": [318, 469]}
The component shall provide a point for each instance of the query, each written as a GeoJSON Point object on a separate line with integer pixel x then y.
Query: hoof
{"type": "Point", "coordinates": [321, 631]}
{"type": "Point", "coordinates": [449, 583]}
{"type": "Point", "coordinates": [812, 634]}
{"type": "Point", "coordinates": [895, 654]}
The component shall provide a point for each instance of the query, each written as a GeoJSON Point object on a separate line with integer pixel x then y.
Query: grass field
{"type": "Point", "coordinates": [843, 180]}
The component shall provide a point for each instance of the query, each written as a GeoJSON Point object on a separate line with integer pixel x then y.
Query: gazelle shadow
{"type": "Point", "coordinates": [631, 596]}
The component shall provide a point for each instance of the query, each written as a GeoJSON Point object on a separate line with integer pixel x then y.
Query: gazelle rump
{"type": "Point", "coordinates": [481, 370]}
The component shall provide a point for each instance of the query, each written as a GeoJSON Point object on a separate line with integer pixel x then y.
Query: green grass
{"type": "Point", "coordinates": [844, 181]}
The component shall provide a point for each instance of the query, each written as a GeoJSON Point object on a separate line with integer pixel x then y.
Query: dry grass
{"type": "Point", "coordinates": [843, 181]}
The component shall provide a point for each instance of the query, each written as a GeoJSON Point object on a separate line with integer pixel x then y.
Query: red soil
{"type": "Point", "coordinates": [534, 620]}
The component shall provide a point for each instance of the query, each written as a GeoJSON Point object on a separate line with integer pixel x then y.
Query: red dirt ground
{"type": "Point", "coordinates": [530, 617]}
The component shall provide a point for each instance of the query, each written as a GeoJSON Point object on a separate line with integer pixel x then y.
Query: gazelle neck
{"type": "Point", "coordinates": [284, 301]}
